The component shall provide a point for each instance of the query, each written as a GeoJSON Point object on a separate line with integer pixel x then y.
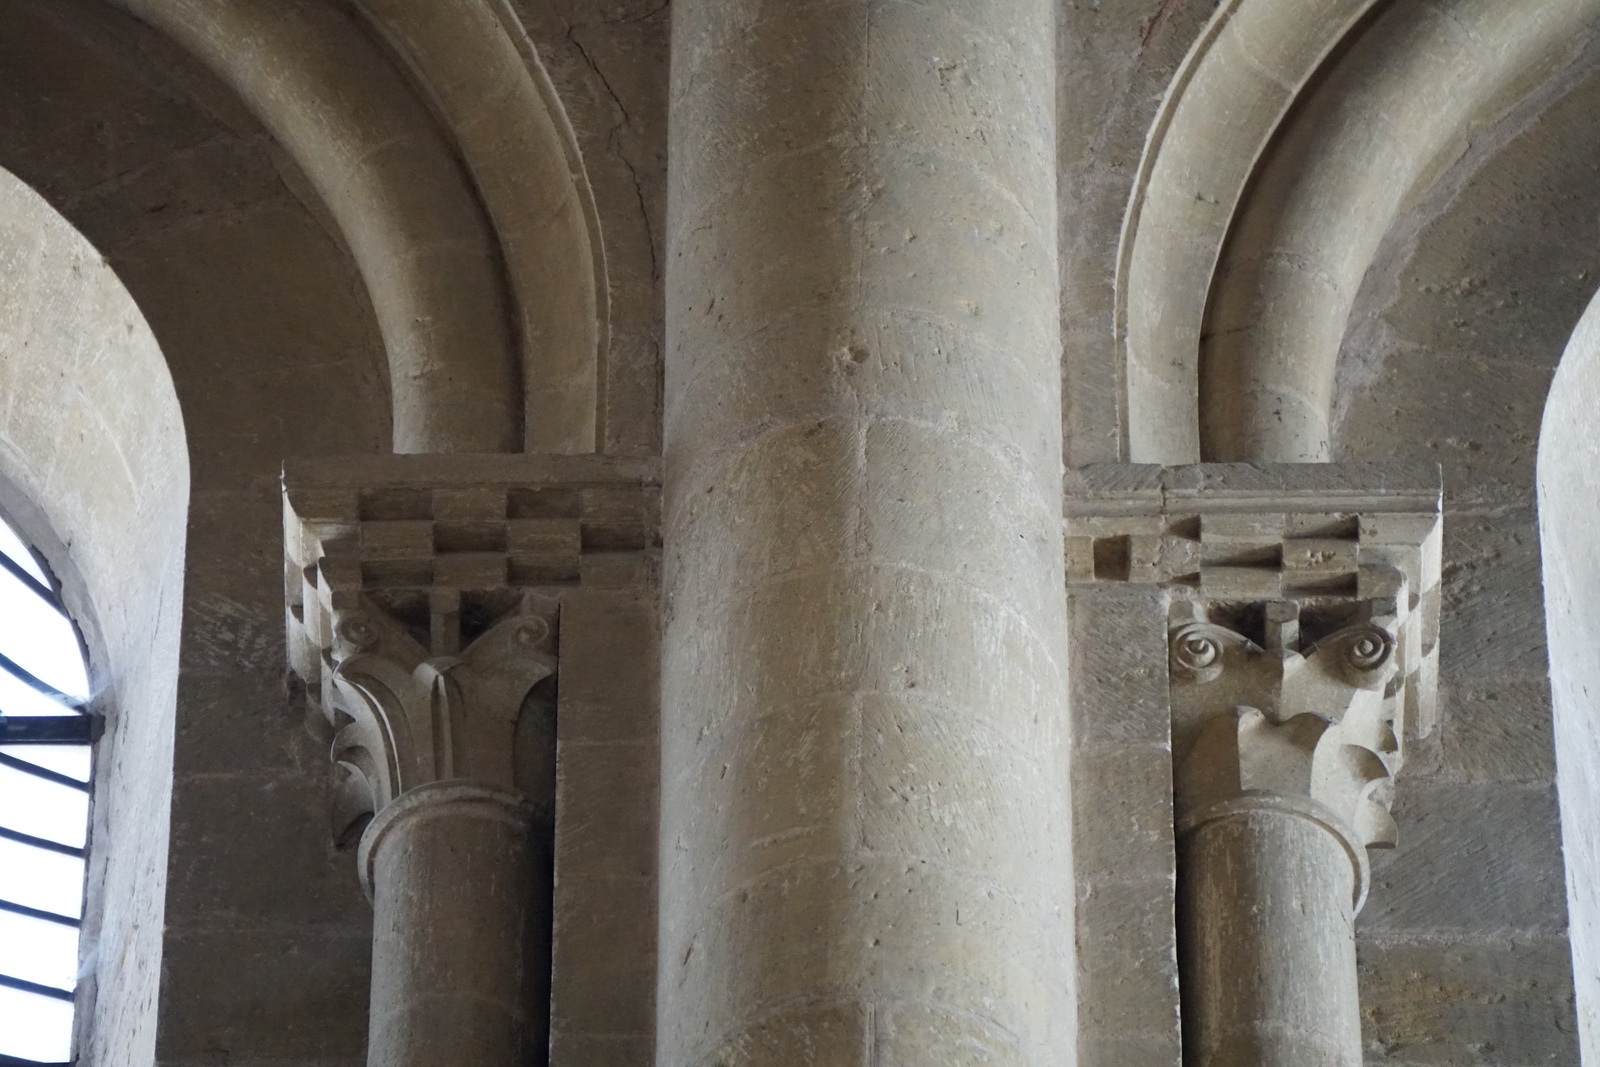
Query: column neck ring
{"type": "Point", "coordinates": [1256, 802]}
{"type": "Point", "coordinates": [452, 796]}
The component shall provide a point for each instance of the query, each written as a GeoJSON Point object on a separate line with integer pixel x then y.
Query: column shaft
{"type": "Point", "coordinates": [1267, 945]}
{"type": "Point", "coordinates": [452, 868]}
{"type": "Point", "coordinates": [865, 827]}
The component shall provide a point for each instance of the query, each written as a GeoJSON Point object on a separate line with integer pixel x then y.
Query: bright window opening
{"type": "Point", "coordinates": [46, 735]}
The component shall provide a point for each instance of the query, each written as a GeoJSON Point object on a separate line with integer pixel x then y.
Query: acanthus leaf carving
{"type": "Point", "coordinates": [404, 717]}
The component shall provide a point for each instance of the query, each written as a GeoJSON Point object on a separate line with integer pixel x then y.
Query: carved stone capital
{"type": "Point", "coordinates": [1302, 641]}
{"type": "Point", "coordinates": [1317, 722]}
{"type": "Point", "coordinates": [424, 597]}
{"type": "Point", "coordinates": [405, 718]}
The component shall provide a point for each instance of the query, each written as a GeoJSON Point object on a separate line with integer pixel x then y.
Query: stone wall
{"type": "Point", "coordinates": [1438, 336]}
{"type": "Point", "coordinates": [273, 351]}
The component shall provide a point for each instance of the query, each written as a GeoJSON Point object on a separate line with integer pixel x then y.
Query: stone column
{"type": "Point", "coordinates": [1267, 942]}
{"type": "Point", "coordinates": [865, 826]}
{"type": "Point", "coordinates": [454, 856]}
{"type": "Point", "coordinates": [424, 596]}
{"type": "Point", "coordinates": [1302, 655]}
{"type": "Point", "coordinates": [1285, 755]}
{"type": "Point", "coordinates": [450, 867]}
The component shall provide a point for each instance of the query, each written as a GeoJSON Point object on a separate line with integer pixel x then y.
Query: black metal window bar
{"type": "Point", "coordinates": [78, 726]}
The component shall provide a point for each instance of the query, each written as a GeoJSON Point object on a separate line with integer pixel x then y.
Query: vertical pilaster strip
{"type": "Point", "coordinates": [1123, 830]}
{"type": "Point", "coordinates": [602, 1007]}
{"type": "Point", "coordinates": [865, 813]}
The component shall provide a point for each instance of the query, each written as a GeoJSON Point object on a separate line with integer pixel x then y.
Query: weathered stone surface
{"type": "Point", "coordinates": [1119, 668]}
{"type": "Point", "coordinates": [610, 668]}
{"type": "Point", "coordinates": [1121, 835]}
{"type": "Point", "coordinates": [607, 785]}
{"type": "Point", "coordinates": [1472, 1002]}
{"type": "Point", "coordinates": [606, 973]}
{"type": "Point", "coordinates": [872, 202]}
{"type": "Point", "coordinates": [298, 968]}
{"type": "Point", "coordinates": [1266, 943]}
{"type": "Point", "coordinates": [1491, 624]}
{"type": "Point", "coordinates": [1482, 857]}
{"type": "Point", "coordinates": [1498, 730]}
{"type": "Point", "coordinates": [1129, 966]}
{"type": "Point", "coordinates": [458, 961]}
{"type": "Point", "coordinates": [865, 787]}
{"type": "Point", "coordinates": [1123, 829]}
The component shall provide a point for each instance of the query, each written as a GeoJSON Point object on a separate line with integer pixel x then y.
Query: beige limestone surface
{"type": "Point", "coordinates": [1567, 471]}
{"type": "Point", "coordinates": [93, 472]}
{"type": "Point", "coordinates": [865, 825]}
{"type": "Point", "coordinates": [452, 868]}
{"type": "Point", "coordinates": [1448, 313]}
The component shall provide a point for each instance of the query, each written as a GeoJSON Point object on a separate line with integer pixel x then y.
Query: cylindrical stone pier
{"type": "Point", "coordinates": [865, 831]}
{"type": "Point", "coordinates": [1267, 950]}
{"type": "Point", "coordinates": [452, 870]}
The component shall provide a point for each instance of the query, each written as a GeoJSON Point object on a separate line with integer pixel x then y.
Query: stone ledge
{"type": "Point", "coordinates": [410, 532]}
{"type": "Point", "coordinates": [1255, 532]}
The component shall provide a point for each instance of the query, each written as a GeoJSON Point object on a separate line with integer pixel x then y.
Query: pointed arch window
{"type": "Point", "coordinates": [46, 736]}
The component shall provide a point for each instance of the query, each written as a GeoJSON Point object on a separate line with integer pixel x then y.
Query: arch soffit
{"type": "Point", "coordinates": [1241, 261]}
{"type": "Point", "coordinates": [455, 183]}
{"type": "Point", "coordinates": [93, 452]}
{"type": "Point", "coordinates": [476, 61]}
{"type": "Point", "coordinates": [94, 471]}
{"type": "Point", "coordinates": [1227, 99]}
{"type": "Point", "coordinates": [1568, 483]}
{"type": "Point", "coordinates": [1470, 301]}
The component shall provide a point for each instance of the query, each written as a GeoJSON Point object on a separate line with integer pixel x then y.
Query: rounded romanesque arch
{"type": "Point", "coordinates": [1265, 193]}
{"type": "Point", "coordinates": [1392, 279]}
{"type": "Point", "coordinates": [1450, 353]}
{"type": "Point", "coordinates": [1222, 108]}
{"type": "Point", "coordinates": [94, 470]}
{"type": "Point", "coordinates": [263, 331]}
{"type": "Point", "coordinates": [1569, 486]}
{"type": "Point", "coordinates": [1469, 343]}
{"type": "Point", "coordinates": [351, 229]}
{"type": "Point", "coordinates": [448, 170]}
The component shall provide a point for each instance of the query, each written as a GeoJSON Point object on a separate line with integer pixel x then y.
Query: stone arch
{"type": "Point", "coordinates": [1448, 356]}
{"type": "Point", "coordinates": [1569, 485]}
{"type": "Point", "coordinates": [265, 319]}
{"type": "Point", "coordinates": [273, 348]}
{"type": "Point", "coordinates": [95, 472]}
{"type": "Point", "coordinates": [1410, 253]}
{"type": "Point", "coordinates": [1334, 185]}
{"type": "Point", "coordinates": [486, 81]}
{"type": "Point", "coordinates": [457, 187]}
{"type": "Point", "coordinates": [1222, 108]}
{"type": "Point", "coordinates": [1253, 225]}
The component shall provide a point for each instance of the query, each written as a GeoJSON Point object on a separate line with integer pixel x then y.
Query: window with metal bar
{"type": "Point", "coordinates": [46, 738]}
